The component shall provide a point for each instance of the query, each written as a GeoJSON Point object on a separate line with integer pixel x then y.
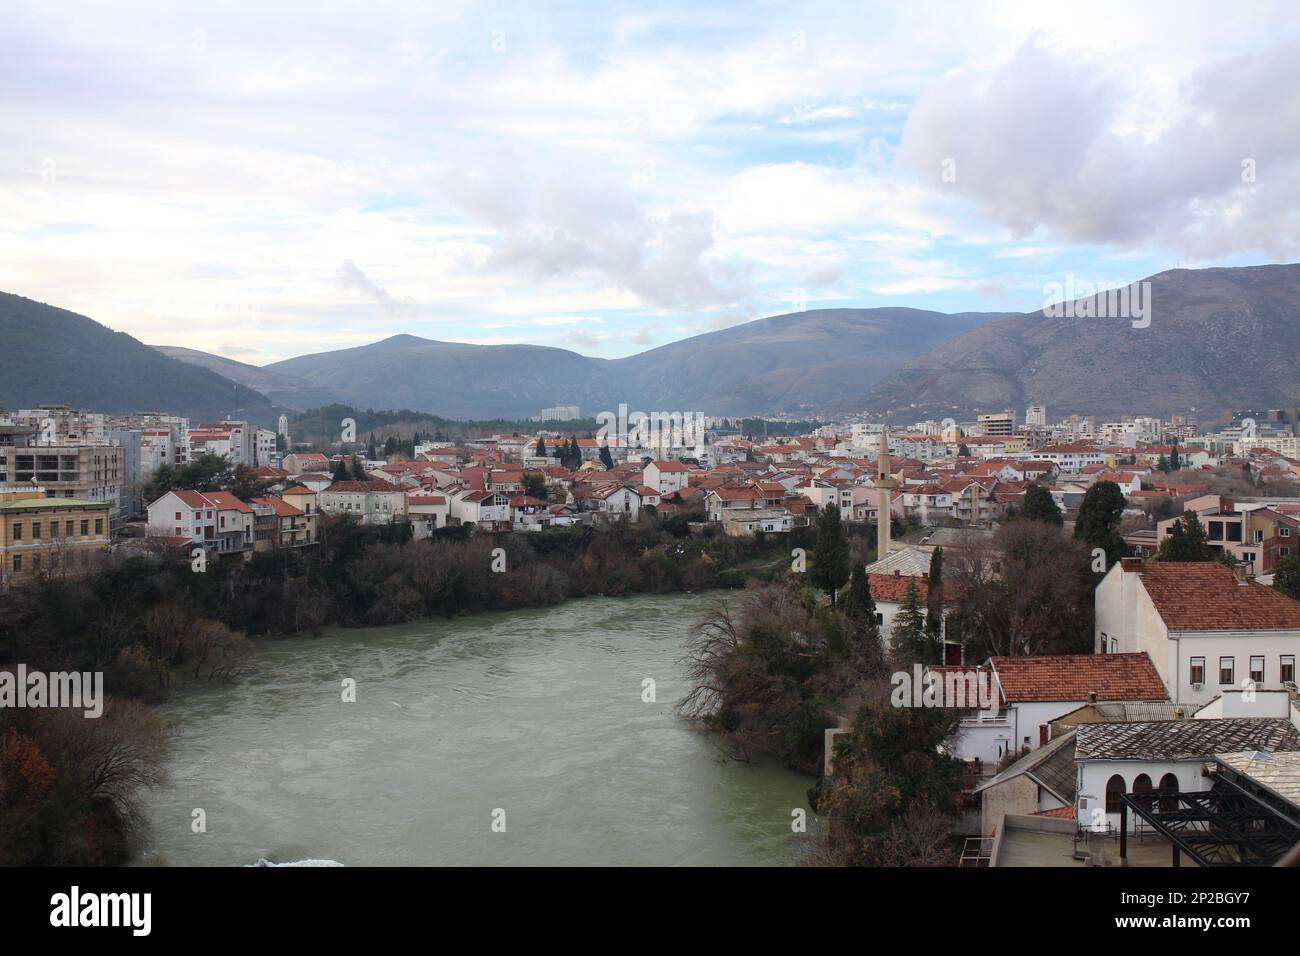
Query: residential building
{"type": "Point", "coordinates": [39, 533]}
{"type": "Point", "coordinates": [1205, 628]}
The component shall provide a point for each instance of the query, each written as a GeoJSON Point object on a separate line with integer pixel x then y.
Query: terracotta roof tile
{"type": "Point", "coordinates": [1076, 676]}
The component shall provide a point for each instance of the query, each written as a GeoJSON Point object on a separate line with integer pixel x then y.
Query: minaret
{"type": "Point", "coordinates": [885, 483]}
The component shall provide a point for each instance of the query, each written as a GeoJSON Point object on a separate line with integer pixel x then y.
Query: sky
{"type": "Point", "coordinates": [266, 180]}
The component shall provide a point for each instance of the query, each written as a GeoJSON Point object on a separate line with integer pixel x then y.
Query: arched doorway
{"type": "Point", "coordinates": [1114, 788]}
{"type": "Point", "coordinates": [1169, 793]}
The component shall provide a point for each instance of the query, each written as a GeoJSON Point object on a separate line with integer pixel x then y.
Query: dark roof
{"type": "Point", "coordinates": [1050, 766]}
{"type": "Point", "coordinates": [1184, 739]}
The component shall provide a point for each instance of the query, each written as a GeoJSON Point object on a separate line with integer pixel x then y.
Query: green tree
{"type": "Point", "coordinates": [1185, 541]}
{"type": "Point", "coordinates": [358, 470]}
{"type": "Point", "coordinates": [535, 485]}
{"type": "Point", "coordinates": [934, 600]}
{"type": "Point", "coordinates": [831, 553]}
{"type": "Point", "coordinates": [1163, 465]}
{"type": "Point", "coordinates": [341, 472]}
{"type": "Point", "coordinates": [1175, 460]}
{"type": "Point", "coordinates": [963, 450]}
{"type": "Point", "coordinates": [390, 446]}
{"type": "Point", "coordinates": [1039, 505]}
{"type": "Point", "coordinates": [606, 458]}
{"type": "Point", "coordinates": [908, 638]}
{"type": "Point", "coordinates": [1286, 577]}
{"type": "Point", "coordinates": [540, 451]}
{"type": "Point", "coordinates": [1097, 524]}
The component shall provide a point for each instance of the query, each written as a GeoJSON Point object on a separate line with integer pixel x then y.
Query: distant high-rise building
{"type": "Point", "coordinates": [1036, 416]}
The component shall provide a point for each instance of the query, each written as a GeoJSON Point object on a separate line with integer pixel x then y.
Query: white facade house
{"type": "Point", "coordinates": [370, 502]}
{"type": "Point", "coordinates": [1206, 630]}
{"type": "Point", "coordinates": [1035, 691]}
{"type": "Point", "coordinates": [666, 477]}
{"type": "Point", "coordinates": [1167, 755]}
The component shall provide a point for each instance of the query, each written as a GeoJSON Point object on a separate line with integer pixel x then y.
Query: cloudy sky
{"type": "Point", "coordinates": [269, 179]}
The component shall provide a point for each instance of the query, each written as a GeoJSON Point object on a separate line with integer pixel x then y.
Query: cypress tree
{"type": "Point", "coordinates": [831, 553]}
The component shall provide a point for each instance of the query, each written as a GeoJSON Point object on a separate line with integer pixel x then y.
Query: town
{"type": "Point", "coordinates": [1148, 743]}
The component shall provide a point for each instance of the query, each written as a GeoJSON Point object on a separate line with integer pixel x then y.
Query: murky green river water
{"type": "Point", "coordinates": [538, 714]}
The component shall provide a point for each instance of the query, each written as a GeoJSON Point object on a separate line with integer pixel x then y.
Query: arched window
{"type": "Point", "coordinates": [1114, 787]}
{"type": "Point", "coordinates": [1142, 784]}
{"type": "Point", "coordinates": [1169, 790]}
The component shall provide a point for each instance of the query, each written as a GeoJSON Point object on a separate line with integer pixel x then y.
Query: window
{"type": "Point", "coordinates": [1284, 532]}
{"type": "Point", "coordinates": [1257, 670]}
{"type": "Point", "coordinates": [36, 530]}
{"type": "Point", "coordinates": [99, 526]}
{"type": "Point", "coordinates": [18, 562]}
{"type": "Point", "coordinates": [18, 531]}
{"type": "Point", "coordinates": [1114, 787]}
{"type": "Point", "coordinates": [178, 516]}
{"type": "Point", "coordinates": [1227, 665]}
{"type": "Point", "coordinates": [85, 527]}
{"type": "Point", "coordinates": [1288, 667]}
{"type": "Point", "coordinates": [1198, 670]}
{"type": "Point", "coordinates": [1142, 784]}
{"type": "Point", "coordinates": [67, 528]}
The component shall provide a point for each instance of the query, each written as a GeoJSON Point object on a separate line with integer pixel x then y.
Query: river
{"type": "Point", "coordinates": [532, 719]}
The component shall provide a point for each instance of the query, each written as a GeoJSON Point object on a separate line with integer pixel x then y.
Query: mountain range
{"type": "Point", "coordinates": [1214, 339]}
{"type": "Point", "coordinates": [1218, 338]}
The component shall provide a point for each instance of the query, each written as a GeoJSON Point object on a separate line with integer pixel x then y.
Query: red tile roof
{"type": "Point", "coordinates": [1206, 596]}
{"type": "Point", "coordinates": [1076, 676]}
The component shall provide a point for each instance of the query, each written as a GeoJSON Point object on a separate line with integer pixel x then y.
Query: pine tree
{"type": "Point", "coordinates": [1175, 460]}
{"type": "Point", "coordinates": [1185, 541]}
{"type": "Point", "coordinates": [1039, 505]}
{"type": "Point", "coordinates": [540, 451]}
{"type": "Point", "coordinates": [831, 555]}
{"type": "Point", "coordinates": [908, 637]}
{"type": "Point", "coordinates": [1163, 465]}
{"type": "Point", "coordinates": [606, 458]}
{"type": "Point", "coordinates": [341, 470]}
{"type": "Point", "coordinates": [358, 469]}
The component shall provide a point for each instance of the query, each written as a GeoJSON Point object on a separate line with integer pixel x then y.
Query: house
{"type": "Point", "coordinates": [748, 522]}
{"type": "Point", "coordinates": [55, 534]}
{"type": "Point", "coordinates": [373, 501]}
{"type": "Point", "coordinates": [1205, 627]}
{"type": "Point", "coordinates": [665, 477]}
{"type": "Point", "coordinates": [489, 510]}
{"type": "Point", "coordinates": [427, 513]}
{"type": "Point", "coordinates": [1041, 781]}
{"type": "Point", "coordinates": [610, 501]}
{"type": "Point", "coordinates": [293, 528]}
{"type": "Point", "coordinates": [1165, 756]}
{"type": "Point", "coordinates": [297, 463]}
{"type": "Point", "coordinates": [1035, 691]}
{"type": "Point", "coordinates": [215, 520]}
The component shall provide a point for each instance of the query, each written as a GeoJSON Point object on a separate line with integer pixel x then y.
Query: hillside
{"type": "Point", "coordinates": [1218, 339]}
{"type": "Point", "coordinates": [52, 355]}
{"type": "Point", "coordinates": [282, 389]}
{"type": "Point", "coordinates": [799, 361]}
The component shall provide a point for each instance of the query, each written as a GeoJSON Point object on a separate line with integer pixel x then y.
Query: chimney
{"type": "Point", "coordinates": [897, 572]}
{"type": "Point", "coordinates": [1239, 572]}
{"type": "Point", "coordinates": [1092, 697]}
{"type": "Point", "coordinates": [1131, 565]}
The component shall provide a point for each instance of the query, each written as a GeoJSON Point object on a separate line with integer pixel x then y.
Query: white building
{"type": "Point", "coordinates": [1206, 630]}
